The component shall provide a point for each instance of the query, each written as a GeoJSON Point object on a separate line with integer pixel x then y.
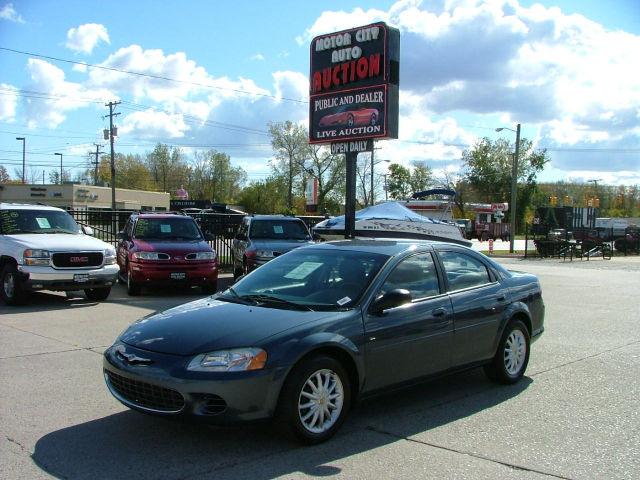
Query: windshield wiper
{"type": "Point", "coordinates": [262, 298]}
{"type": "Point", "coordinates": [235, 298]}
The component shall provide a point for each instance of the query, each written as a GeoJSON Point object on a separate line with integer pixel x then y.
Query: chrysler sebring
{"type": "Point", "coordinates": [302, 337]}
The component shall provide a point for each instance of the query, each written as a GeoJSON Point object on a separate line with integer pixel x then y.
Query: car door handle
{"type": "Point", "coordinates": [439, 312]}
{"type": "Point", "coordinates": [501, 298]}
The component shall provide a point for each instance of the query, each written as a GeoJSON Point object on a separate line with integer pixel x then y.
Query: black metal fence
{"type": "Point", "coordinates": [107, 223]}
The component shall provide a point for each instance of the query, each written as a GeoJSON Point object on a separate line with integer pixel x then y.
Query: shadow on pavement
{"type": "Point", "coordinates": [130, 444]}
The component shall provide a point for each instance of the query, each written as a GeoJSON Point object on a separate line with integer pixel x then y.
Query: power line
{"type": "Point", "coordinates": [156, 77]}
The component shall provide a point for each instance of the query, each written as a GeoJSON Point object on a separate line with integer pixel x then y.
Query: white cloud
{"type": "Point", "coordinates": [9, 13]}
{"type": "Point", "coordinates": [63, 95]}
{"type": "Point", "coordinates": [257, 56]}
{"type": "Point", "coordinates": [8, 102]}
{"type": "Point", "coordinates": [85, 37]}
{"type": "Point", "coordinates": [153, 124]}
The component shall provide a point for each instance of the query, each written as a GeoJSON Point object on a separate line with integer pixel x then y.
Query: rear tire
{"type": "Point", "coordinates": [98, 294]}
{"type": "Point", "coordinates": [11, 290]}
{"type": "Point", "coordinates": [512, 357]}
{"type": "Point", "coordinates": [314, 400]}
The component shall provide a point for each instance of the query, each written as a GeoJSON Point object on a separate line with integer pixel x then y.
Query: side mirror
{"type": "Point", "coordinates": [391, 299]}
{"type": "Point", "coordinates": [241, 236]}
{"type": "Point", "coordinates": [87, 230]}
{"type": "Point", "coordinates": [209, 237]}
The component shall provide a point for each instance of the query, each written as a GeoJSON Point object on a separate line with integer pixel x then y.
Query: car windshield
{"type": "Point", "coordinates": [165, 228]}
{"type": "Point", "coordinates": [22, 221]}
{"type": "Point", "coordinates": [279, 230]}
{"type": "Point", "coordinates": [309, 278]}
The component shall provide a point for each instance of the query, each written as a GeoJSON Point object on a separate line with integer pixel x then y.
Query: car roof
{"type": "Point", "coordinates": [274, 217]}
{"type": "Point", "coordinates": [385, 246]}
{"type": "Point", "coordinates": [162, 215]}
{"type": "Point", "coordinates": [27, 206]}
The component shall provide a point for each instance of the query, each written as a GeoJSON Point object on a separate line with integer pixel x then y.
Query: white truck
{"type": "Point", "coordinates": [43, 248]}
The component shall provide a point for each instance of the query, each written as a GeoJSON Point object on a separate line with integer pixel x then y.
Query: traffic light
{"type": "Point", "coordinates": [567, 200]}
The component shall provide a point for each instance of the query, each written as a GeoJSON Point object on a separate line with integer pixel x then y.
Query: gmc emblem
{"type": "Point", "coordinates": [79, 259]}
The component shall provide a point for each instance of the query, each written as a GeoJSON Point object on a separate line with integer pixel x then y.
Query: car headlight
{"type": "Point", "coordinates": [36, 257]}
{"type": "Point", "coordinates": [201, 256]}
{"type": "Point", "coordinates": [110, 256]}
{"type": "Point", "coordinates": [264, 253]}
{"type": "Point", "coordinates": [235, 360]}
{"type": "Point", "coordinates": [148, 255]}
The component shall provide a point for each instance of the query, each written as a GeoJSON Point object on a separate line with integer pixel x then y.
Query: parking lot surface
{"type": "Point", "coordinates": [575, 414]}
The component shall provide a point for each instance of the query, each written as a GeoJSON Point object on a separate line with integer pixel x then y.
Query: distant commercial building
{"type": "Point", "coordinates": [84, 197]}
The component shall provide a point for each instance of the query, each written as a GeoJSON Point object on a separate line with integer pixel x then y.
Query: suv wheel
{"type": "Point", "coordinates": [97, 293]}
{"type": "Point", "coordinates": [210, 288]}
{"type": "Point", "coordinates": [132, 287]}
{"type": "Point", "coordinates": [10, 287]}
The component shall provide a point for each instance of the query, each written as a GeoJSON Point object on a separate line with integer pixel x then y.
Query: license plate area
{"type": "Point", "coordinates": [178, 275]}
{"type": "Point", "coordinates": [81, 277]}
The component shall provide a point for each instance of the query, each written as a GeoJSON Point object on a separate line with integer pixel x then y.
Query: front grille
{"type": "Point", "coordinates": [77, 259]}
{"type": "Point", "coordinates": [145, 394]}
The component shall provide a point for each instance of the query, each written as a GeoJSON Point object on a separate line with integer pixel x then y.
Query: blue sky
{"type": "Point", "coordinates": [565, 70]}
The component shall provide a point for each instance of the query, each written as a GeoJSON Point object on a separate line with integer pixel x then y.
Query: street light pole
{"type": "Point", "coordinates": [60, 166]}
{"type": "Point", "coordinates": [514, 186]}
{"type": "Point", "coordinates": [23, 157]}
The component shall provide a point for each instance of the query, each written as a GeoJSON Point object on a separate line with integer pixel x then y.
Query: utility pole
{"type": "Point", "coordinates": [23, 158]}
{"type": "Point", "coordinates": [514, 191]}
{"type": "Point", "coordinates": [373, 149]}
{"type": "Point", "coordinates": [95, 175]}
{"type": "Point", "coordinates": [60, 166]}
{"type": "Point", "coordinates": [111, 105]}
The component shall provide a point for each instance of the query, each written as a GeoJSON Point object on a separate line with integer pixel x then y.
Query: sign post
{"type": "Point", "coordinates": [353, 98]}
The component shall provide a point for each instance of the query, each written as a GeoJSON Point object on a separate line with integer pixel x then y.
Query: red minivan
{"type": "Point", "coordinates": [165, 249]}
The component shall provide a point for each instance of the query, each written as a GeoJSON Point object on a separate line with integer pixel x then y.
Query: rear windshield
{"type": "Point", "coordinates": [179, 228]}
{"type": "Point", "coordinates": [19, 221]}
{"type": "Point", "coordinates": [279, 229]}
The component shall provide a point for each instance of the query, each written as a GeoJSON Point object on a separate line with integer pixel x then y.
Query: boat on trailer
{"type": "Point", "coordinates": [392, 220]}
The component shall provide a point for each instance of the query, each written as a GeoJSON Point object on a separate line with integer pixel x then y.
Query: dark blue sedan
{"type": "Point", "coordinates": [303, 336]}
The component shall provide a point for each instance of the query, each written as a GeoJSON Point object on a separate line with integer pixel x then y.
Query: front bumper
{"type": "Point", "coordinates": [179, 273]}
{"type": "Point", "coordinates": [216, 398]}
{"type": "Point", "coordinates": [47, 278]}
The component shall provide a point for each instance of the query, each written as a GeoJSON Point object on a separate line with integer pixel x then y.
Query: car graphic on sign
{"type": "Point", "coordinates": [351, 118]}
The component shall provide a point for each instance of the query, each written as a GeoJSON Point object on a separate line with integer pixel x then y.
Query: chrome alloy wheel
{"type": "Point", "coordinates": [9, 285]}
{"type": "Point", "coordinates": [320, 401]}
{"type": "Point", "coordinates": [515, 352]}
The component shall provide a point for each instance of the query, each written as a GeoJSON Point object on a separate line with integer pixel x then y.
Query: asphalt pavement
{"type": "Point", "coordinates": [575, 415]}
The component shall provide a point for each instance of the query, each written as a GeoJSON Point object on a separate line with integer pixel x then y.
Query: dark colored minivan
{"type": "Point", "coordinates": [261, 238]}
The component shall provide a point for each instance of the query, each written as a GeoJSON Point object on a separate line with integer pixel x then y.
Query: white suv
{"type": "Point", "coordinates": [43, 248]}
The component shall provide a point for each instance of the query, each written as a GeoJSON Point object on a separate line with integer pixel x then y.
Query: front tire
{"type": "Point", "coordinates": [133, 288]}
{"type": "Point", "coordinates": [98, 294]}
{"type": "Point", "coordinates": [511, 359]}
{"type": "Point", "coordinates": [315, 400]}
{"type": "Point", "coordinates": [10, 286]}
{"type": "Point", "coordinates": [210, 288]}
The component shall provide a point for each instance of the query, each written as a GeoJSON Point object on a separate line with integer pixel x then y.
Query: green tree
{"type": "Point", "coordinates": [265, 196]}
{"type": "Point", "coordinates": [487, 167]}
{"type": "Point", "coordinates": [329, 170]}
{"type": "Point", "coordinates": [167, 167]}
{"type": "Point", "coordinates": [399, 182]}
{"type": "Point", "coordinates": [290, 143]}
{"type": "Point", "coordinates": [213, 178]}
{"type": "Point", "coordinates": [421, 177]}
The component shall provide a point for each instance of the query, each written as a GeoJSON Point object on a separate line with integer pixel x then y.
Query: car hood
{"type": "Point", "coordinates": [208, 324]}
{"type": "Point", "coordinates": [281, 246]}
{"type": "Point", "coordinates": [175, 246]}
{"type": "Point", "coordinates": [57, 242]}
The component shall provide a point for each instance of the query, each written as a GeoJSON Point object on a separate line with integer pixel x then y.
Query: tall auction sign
{"type": "Point", "coordinates": [353, 96]}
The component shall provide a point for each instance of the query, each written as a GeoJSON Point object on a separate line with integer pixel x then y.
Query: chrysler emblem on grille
{"type": "Point", "coordinates": [132, 358]}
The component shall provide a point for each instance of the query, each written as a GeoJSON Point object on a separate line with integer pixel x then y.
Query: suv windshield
{"type": "Point", "coordinates": [309, 278]}
{"type": "Point", "coordinates": [279, 229]}
{"type": "Point", "coordinates": [21, 221]}
{"type": "Point", "coordinates": [178, 228]}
